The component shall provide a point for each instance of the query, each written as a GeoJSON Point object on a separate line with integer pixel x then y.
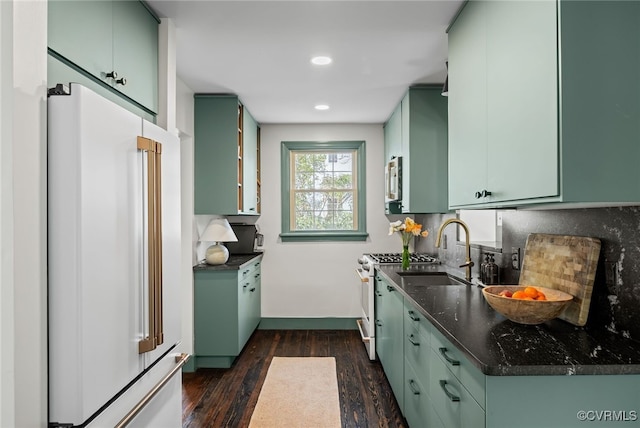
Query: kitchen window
{"type": "Point", "coordinates": [323, 191]}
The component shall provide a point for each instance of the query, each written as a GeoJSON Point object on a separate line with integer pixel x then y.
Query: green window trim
{"type": "Point", "coordinates": [288, 235]}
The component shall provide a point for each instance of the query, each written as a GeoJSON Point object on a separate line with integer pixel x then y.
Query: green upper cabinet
{"type": "Point", "coordinates": [393, 135]}
{"type": "Point", "coordinates": [527, 122]}
{"type": "Point", "coordinates": [226, 156]}
{"type": "Point", "coordinates": [103, 37]}
{"type": "Point", "coordinates": [417, 131]}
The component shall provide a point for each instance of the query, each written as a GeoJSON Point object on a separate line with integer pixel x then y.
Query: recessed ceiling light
{"type": "Point", "coordinates": [322, 107]}
{"type": "Point", "coordinates": [321, 60]}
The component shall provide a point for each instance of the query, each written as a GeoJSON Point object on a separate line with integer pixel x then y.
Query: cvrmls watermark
{"type": "Point", "coordinates": [607, 415]}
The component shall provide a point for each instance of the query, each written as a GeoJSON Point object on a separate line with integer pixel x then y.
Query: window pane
{"type": "Point", "coordinates": [343, 201]}
{"type": "Point", "coordinates": [304, 180]}
{"type": "Point", "coordinates": [320, 201]}
{"type": "Point", "coordinates": [344, 220]}
{"type": "Point", "coordinates": [343, 180]}
{"type": "Point", "coordinates": [324, 180]}
{"type": "Point", "coordinates": [303, 201]}
{"type": "Point", "coordinates": [304, 220]}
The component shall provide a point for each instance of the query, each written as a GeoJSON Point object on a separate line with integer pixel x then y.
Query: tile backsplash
{"type": "Point", "coordinates": [615, 304]}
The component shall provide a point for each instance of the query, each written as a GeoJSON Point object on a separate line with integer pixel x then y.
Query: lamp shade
{"type": "Point", "coordinates": [218, 230]}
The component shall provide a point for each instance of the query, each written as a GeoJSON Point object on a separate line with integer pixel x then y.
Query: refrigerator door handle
{"type": "Point", "coordinates": [153, 150]}
{"type": "Point", "coordinates": [180, 359]}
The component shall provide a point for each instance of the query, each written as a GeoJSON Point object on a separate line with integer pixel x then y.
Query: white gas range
{"type": "Point", "coordinates": [366, 272]}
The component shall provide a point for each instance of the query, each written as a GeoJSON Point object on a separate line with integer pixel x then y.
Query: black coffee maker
{"type": "Point", "coordinates": [246, 234]}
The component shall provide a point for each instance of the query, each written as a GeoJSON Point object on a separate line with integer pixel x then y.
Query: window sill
{"type": "Point", "coordinates": [314, 236]}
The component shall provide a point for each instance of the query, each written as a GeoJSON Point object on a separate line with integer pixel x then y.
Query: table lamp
{"type": "Point", "coordinates": [217, 231]}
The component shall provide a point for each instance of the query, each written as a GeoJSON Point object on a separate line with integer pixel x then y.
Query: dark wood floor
{"type": "Point", "coordinates": [227, 397]}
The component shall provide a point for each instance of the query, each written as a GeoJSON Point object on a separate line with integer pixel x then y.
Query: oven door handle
{"type": "Point", "coordinates": [363, 276]}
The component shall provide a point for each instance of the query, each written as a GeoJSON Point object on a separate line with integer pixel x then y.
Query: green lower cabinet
{"type": "Point", "coordinates": [418, 407]}
{"type": "Point", "coordinates": [442, 388]}
{"type": "Point", "coordinates": [389, 334]}
{"type": "Point", "coordinates": [453, 403]}
{"type": "Point", "coordinates": [563, 401]}
{"type": "Point", "coordinates": [226, 312]}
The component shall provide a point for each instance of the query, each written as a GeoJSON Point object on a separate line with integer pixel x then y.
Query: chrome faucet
{"type": "Point", "coordinates": [468, 263]}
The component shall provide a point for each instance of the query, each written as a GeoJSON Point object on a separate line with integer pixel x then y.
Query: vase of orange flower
{"type": "Point", "coordinates": [407, 230]}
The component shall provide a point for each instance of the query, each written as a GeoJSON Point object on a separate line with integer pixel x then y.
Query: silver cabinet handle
{"type": "Point", "coordinates": [121, 81]}
{"type": "Point", "coordinates": [112, 75]}
{"type": "Point", "coordinates": [390, 288]}
{"type": "Point", "coordinates": [413, 316]}
{"type": "Point", "coordinates": [482, 194]}
{"type": "Point", "coordinates": [452, 397]}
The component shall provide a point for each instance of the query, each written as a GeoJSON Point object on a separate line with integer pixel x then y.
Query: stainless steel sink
{"type": "Point", "coordinates": [417, 278]}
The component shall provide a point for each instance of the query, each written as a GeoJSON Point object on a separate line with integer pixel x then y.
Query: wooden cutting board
{"type": "Point", "coordinates": [566, 263]}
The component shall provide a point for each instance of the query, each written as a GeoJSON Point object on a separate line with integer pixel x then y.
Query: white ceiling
{"type": "Point", "coordinates": [261, 51]}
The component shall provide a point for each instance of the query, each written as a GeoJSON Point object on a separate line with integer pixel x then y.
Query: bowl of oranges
{"type": "Point", "coordinates": [526, 304]}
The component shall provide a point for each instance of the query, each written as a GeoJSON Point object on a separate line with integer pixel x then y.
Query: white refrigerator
{"type": "Point", "coordinates": [113, 265]}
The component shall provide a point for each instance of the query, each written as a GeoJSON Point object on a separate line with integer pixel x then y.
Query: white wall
{"type": "Point", "coordinates": [24, 314]}
{"type": "Point", "coordinates": [184, 122]}
{"type": "Point", "coordinates": [7, 331]}
{"type": "Point", "coordinates": [317, 279]}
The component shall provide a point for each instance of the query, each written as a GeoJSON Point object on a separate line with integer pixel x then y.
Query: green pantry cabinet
{"type": "Point", "coordinates": [544, 101]}
{"type": "Point", "coordinates": [417, 131]}
{"type": "Point", "coordinates": [436, 385]}
{"type": "Point", "coordinates": [115, 42]}
{"type": "Point", "coordinates": [226, 312]}
{"type": "Point", "coordinates": [227, 162]}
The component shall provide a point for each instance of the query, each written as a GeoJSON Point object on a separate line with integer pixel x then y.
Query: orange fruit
{"type": "Point", "coordinates": [541, 296]}
{"type": "Point", "coordinates": [531, 292]}
{"type": "Point", "coordinates": [519, 295]}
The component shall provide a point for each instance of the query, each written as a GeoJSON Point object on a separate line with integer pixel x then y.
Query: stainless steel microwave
{"type": "Point", "coordinates": [393, 180]}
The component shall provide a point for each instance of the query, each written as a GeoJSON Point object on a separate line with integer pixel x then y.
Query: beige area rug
{"type": "Point", "coordinates": [299, 392]}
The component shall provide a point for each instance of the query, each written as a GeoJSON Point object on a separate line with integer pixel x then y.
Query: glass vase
{"type": "Point", "coordinates": [405, 257]}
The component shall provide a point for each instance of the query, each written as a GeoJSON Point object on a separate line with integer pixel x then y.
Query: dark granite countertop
{"type": "Point", "coordinates": [234, 263]}
{"type": "Point", "coordinates": [501, 347]}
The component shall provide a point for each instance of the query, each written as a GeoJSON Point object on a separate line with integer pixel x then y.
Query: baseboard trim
{"type": "Point", "coordinates": [308, 324]}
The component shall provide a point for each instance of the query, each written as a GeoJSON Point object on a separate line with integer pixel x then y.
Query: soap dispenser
{"type": "Point", "coordinates": [492, 272]}
{"type": "Point", "coordinates": [483, 269]}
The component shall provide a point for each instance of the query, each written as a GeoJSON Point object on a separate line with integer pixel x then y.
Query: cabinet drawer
{"type": "Point", "coordinates": [416, 323]}
{"type": "Point", "coordinates": [460, 366]}
{"type": "Point", "coordinates": [453, 403]}
{"type": "Point", "coordinates": [417, 354]}
{"type": "Point", "coordinates": [418, 409]}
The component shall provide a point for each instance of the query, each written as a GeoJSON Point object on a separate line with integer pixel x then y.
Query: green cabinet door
{"type": "Point", "coordinates": [82, 32]}
{"type": "Point", "coordinates": [389, 336]}
{"type": "Point", "coordinates": [216, 155]}
{"type": "Point", "coordinates": [216, 326]}
{"type": "Point", "coordinates": [105, 37]}
{"type": "Point", "coordinates": [424, 150]}
{"type": "Point", "coordinates": [522, 66]}
{"type": "Point", "coordinates": [135, 52]}
{"type": "Point", "coordinates": [393, 135]}
{"type": "Point", "coordinates": [250, 164]}
{"type": "Point", "coordinates": [467, 105]}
